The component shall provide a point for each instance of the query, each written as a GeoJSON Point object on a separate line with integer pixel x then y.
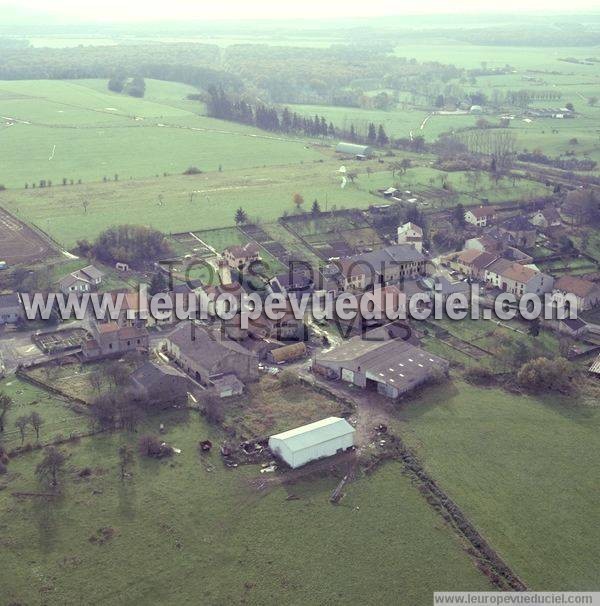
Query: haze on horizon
{"type": "Point", "coordinates": [231, 10]}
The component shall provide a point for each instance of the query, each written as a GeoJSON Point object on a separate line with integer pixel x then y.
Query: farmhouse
{"type": "Point", "coordinates": [11, 309]}
{"type": "Point", "coordinates": [82, 280]}
{"type": "Point", "coordinates": [473, 262]}
{"type": "Point", "coordinates": [358, 151]}
{"type": "Point", "coordinates": [587, 293]}
{"type": "Point", "coordinates": [239, 257]}
{"type": "Point", "coordinates": [522, 232]}
{"type": "Point", "coordinates": [391, 368]}
{"type": "Point", "coordinates": [383, 266]}
{"type": "Point", "coordinates": [411, 233]}
{"type": "Point", "coordinates": [160, 384]}
{"type": "Point", "coordinates": [324, 438]}
{"type": "Point", "coordinates": [111, 339]}
{"type": "Point", "coordinates": [206, 356]}
{"type": "Point", "coordinates": [517, 279]}
{"type": "Point", "coordinates": [549, 217]}
{"type": "Point", "coordinates": [480, 216]}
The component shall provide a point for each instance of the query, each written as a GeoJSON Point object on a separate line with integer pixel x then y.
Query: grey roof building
{"type": "Point", "coordinates": [206, 356]}
{"type": "Point", "coordinates": [391, 367]}
{"type": "Point", "coordinates": [160, 384]}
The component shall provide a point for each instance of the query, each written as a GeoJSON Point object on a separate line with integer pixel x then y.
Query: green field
{"type": "Point", "coordinates": [524, 470]}
{"type": "Point", "coordinates": [59, 419]}
{"type": "Point", "coordinates": [184, 535]}
{"type": "Point", "coordinates": [265, 194]}
{"type": "Point", "coordinates": [80, 130]}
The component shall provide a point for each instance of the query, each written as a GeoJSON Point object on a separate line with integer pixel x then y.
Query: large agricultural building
{"type": "Point", "coordinates": [360, 151]}
{"type": "Point", "coordinates": [391, 368]}
{"type": "Point", "coordinates": [314, 441]}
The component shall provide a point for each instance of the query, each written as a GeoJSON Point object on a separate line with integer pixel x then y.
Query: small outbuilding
{"type": "Point", "coordinates": [314, 441]}
{"type": "Point", "coordinates": [227, 385]}
{"type": "Point", "coordinates": [287, 353]}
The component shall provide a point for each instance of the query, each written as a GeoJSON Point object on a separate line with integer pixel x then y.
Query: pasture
{"type": "Point", "coordinates": [183, 203]}
{"type": "Point", "coordinates": [524, 470]}
{"type": "Point", "coordinates": [78, 130]}
{"type": "Point", "coordinates": [189, 530]}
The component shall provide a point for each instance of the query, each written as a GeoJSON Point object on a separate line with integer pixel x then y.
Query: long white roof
{"type": "Point", "coordinates": [315, 433]}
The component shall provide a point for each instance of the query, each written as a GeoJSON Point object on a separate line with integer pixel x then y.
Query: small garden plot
{"type": "Point", "coordinates": [186, 244]}
{"type": "Point", "coordinates": [83, 381]}
{"type": "Point", "coordinates": [571, 266]}
{"type": "Point", "coordinates": [219, 239]}
{"type": "Point", "coordinates": [362, 238]}
{"type": "Point", "coordinates": [58, 416]}
{"type": "Point", "coordinates": [271, 407]}
{"type": "Point", "coordinates": [61, 340]}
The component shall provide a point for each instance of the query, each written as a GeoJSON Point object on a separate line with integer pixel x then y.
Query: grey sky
{"type": "Point", "coordinates": [129, 10]}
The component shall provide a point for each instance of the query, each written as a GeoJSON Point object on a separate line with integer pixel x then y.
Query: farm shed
{"type": "Point", "coordinates": [160, 384]}
{"type": "Point", "coordinates": [391, 368]}
{"type": "Point", "coordinates": [354, 149]}
{"type": "Point", "coordinates": [314, 441]}
{"type": "Point", "coordinates": [287, 353]}
{"type": "Point", "coordinates": [227, 385]}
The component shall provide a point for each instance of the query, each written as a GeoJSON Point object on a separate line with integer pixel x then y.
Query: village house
{"type": "Point", "coordinates": [314, 441]}
{"type": "Point", "coordinates": [219, 300]}
{"type": "Point", "coordinates": [384, 266]}
{"type": "Point", "coordinates": [391, 368]}
{"type": "Point", "coordinates": [160, 385]}
{"type": "Point", "coordinates": [80, 281]}
{"type": "Point", "coordinates": [517, 279]}
{"type": "Point", "coordinates": [411, 233]}
{"type": "Point", "coordinates": [11, 309]}
{"type": "Point", "coordinates": [549, 217]}
{"type": "Point", "coordinates": [522, 232]}
{"type": "Point", "coordinates": [586, 293]}
{"type": "Point", "coordinates": [111, 339]}
{"type": "Point", "coordinates": [205, 356]}
{"type": "Point", "coordinates": [240, 256]}
{"type": "Point", "coordinates": [291, 281]}
{"type": "Point", "coordinates": [480, 216]}
{"type": "Point", "coordinates": [473, 263]}
{"type": "Point", "coordinates": [494, 241]}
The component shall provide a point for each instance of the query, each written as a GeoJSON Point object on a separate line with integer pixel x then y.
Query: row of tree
{"type": "Point", "coordinates": [226, 107]}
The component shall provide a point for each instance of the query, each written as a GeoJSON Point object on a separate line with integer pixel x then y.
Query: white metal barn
{"type": "Point", "coordinates": [323, 438]}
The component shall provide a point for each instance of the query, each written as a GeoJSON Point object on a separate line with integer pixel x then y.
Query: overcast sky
{"type": "Point", "coordinates": [129, 10]}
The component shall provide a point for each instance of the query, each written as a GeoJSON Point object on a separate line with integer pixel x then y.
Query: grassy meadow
{"type": "Point", "coordinates": [188, 530]}
{"type": "Point", "coordinates": [524, 470]}
{"type": "Point", "coordinates": [74, 130]}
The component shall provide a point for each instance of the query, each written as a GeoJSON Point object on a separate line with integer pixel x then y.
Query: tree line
{"type": "Point", "coordinates": [226, 107]}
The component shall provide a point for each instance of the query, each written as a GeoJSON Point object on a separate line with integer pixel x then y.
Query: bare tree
{"type": "Point", "coordinates": [125, 459]}
{"type": "Point", "coordinates": [96, 381]}
{"type": "Point", "coordinates": [51, 466]}
{"type": "Point", "coordinates": [5, 404]}
{"type": "Point", "coordinates": [36, 422]}
{"type": "Point", "coordinates": [213, 409]}
{"type": "Point", "coordinates": [117, 373]}
{"type": "Point", "coordinates": [21, 423]}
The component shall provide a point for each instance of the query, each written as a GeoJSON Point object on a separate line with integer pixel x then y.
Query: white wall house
{"type": "Point", "coordinates": [411, 233]}
{"type": "Point", "coordinates": [518, 279]}
{"type": "Point", "coordinates": [480, 216]}
{"type": "Point", "coordinates": [314, 441]}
